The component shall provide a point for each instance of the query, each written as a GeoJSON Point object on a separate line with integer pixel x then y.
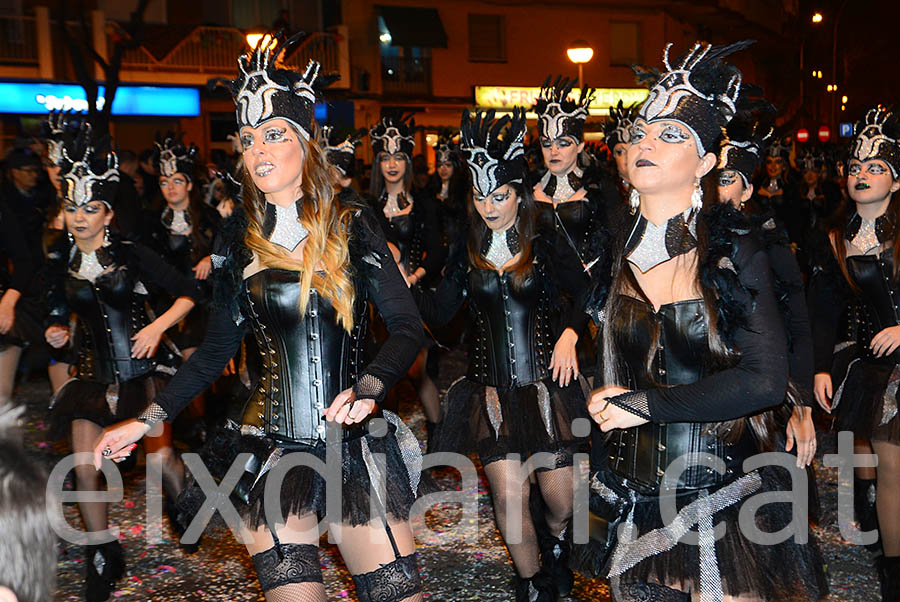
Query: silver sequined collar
{"type": "Point", "coordinates": [867, 235]}
{"type": "Point", "coordinates": [650, 245]}
{"type": "Point", "coordinates": [88, 266]}
{"type": "Point", "coordinates": [562, 188]}
{"type": "Point", "coordinates": [282, 225]}
{"type": "Point", "coordinates": [501, 247]}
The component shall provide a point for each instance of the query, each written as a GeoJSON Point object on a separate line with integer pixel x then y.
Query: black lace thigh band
{"type": "Point", "coordinates": [393, 582]}
{"type": "Point", "coordinates": [288, 563]}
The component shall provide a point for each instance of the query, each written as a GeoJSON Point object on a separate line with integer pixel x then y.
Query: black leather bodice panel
{"type": "Point", "coordinates": [513, 329]}
{"type": "Point", "coordinates": [874, 277]}
{"type": "Point", "coordinates": [306, 360]}
{"type": "Point", "coordinates": [110, 312]}
{"type": "Point", "coordinates": [574, 218]}
{"type": "Point", "coordinates": [643, 453]}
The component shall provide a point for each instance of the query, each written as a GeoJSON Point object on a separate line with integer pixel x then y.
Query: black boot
{"type": "Point", "coordinates": [104, 565]}
{"type": "Point", "coordinates": [429, 433]}
{"type": "Point", "coordinates": [555, 562]}
{"type": "Point", "coordinates": [864, 491]}
{"type": "Point", "coordinates": [539, 588]}
{"type": "Point", "coordinates": [889, 573]}
{"type": "Point", "coordinates": [179, 528]}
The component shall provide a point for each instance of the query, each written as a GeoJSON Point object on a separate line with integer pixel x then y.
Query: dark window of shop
{"type": "Point", "coordinates": [487, 38]}
{"type": "Point", "coordinates": [624, 43]}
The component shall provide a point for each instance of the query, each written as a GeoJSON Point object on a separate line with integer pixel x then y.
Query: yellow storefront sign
{"type": "Point", "coordinates": [507, 97]}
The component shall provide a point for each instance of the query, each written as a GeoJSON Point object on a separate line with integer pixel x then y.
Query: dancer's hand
{"type": "Point", "coordinates": [885, 342]}
{"type": "Point", "coordinates": [801, 429]}
{"type": "Point", "coordinates": [822, 390]}
{"type": "Point", "coordinates": [609, 416]}
{"type": "Point", "coordinates": [564, 362]}
{"type": "Point", "coordinates": [347, 409]}
{"type": "Point", "coordinates": [203, 268]}
{"type": "Point", "coordinates": [57, 336]}
{"type": "Point", "coordinates": [146, 341]}
{"type": "Point", "coordinates": [7, 313]}
{"type": "Point", "coordinates": [120, 439]}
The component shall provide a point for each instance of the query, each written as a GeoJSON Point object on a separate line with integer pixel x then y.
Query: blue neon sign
{"type": "Point", "coordinates": [39, 97]}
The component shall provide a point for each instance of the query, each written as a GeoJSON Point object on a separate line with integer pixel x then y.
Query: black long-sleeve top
{"type": "Point", "coordinates": [14, 250]}
{"type": "Point", "coordinates": [376, 278]}
{"type": "Point", "coordinates": [417, 235]}
{"type": "Point", "coordinates": [759, 378]}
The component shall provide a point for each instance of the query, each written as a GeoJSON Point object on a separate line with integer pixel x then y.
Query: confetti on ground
{"type": "Point", "coordinates": [472, 567]}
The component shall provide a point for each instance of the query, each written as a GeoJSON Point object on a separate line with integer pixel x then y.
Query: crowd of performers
{"type": "Point", "coordinates": [639, 301]}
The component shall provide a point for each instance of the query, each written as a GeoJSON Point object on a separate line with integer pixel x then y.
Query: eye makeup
{"type": "Point", "coordinates": [727, 178]}
{"type": "Point", "coordinates": [276, 134]}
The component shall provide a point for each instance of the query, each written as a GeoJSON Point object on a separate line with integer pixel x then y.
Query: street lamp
{"type": "Point", "coordinates": [817, 18]}
{"type": "Point", "coordinates": [254, 38]}
{"type": "Point", "coordinates": [580, 52]}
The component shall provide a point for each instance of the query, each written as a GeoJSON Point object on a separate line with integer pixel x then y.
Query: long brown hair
{"type": "Point", "coordinates": [327, 246]}
{"type": "Point", "coordinates": [619, 317]}
{"type": "Point", "coordinates": [376, 182]}
{"type": "Point", "coordinates": [478, 229]}
{"type": "Point", "coordinates": [838, 227]}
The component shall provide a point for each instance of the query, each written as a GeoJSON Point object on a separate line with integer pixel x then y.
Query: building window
{"type": "Point", "coordinates": [487, 38]}
{"type": "Point", "coordinates": [624, 43]}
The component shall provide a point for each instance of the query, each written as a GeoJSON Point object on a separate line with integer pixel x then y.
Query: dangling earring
{"type": "Point", "coordinates": [106, 235]}
{"type": "Point", "coordinates": [634, 200]}
{"type": "Point", "coordinates": [71, 238]}
{"type": "Point", "coordinates": [697, 197]}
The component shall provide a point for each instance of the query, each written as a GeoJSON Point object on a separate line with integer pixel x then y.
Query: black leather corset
{"type": "Point", "coordinates": [571, 220]}
{"type": "Point", "coordinates": [642, 454]}
{"type": "Point", "coordinates": [306, 360]}
{"type": "Point", "coordinates": [874, 277]}
{"type": "Point", "coordinates": [514, 338]}
{"type": "Point", "coordinates": [110, 311]}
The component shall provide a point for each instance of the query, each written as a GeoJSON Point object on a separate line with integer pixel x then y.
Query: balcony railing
{"type": "Point", "coordinates": [18, 41]}
{"type": "Point", "coordinates": [214, 50]}
{"type": "Point", "coordinates": [406, 75]}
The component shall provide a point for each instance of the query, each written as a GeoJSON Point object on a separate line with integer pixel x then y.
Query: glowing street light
{"type": "Point", "coordinates": [844, 99]}
{"type": "Point", "coordinates": [254, 38]}
{"type": "Point", "coordinates": [580, 52]}
{"type": "Point", "coordinates": [817, 18]}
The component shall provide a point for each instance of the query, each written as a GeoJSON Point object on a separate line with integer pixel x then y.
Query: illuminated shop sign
{"type": "Point", "coordinates": [37, 97]}
{"type": "Point", "coordinates": [507, 97]}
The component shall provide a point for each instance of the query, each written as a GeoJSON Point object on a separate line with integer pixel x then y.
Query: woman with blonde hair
{"type": "Point", "coordinates": [299, 269]}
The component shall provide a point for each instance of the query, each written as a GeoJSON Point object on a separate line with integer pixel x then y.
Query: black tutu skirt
{"type": "Point", "coordinates": [651, 553]}
{"type": "Point", "coordinates": [28, 327]}
{"type": "Point", "coordinates": [520, 420]}
{"type": "Point", "coordinates": [866, 400]}
{"type": "Point", "coordinates": [98, 403]}
{"type": "Point", "coordinates": [303, 490]}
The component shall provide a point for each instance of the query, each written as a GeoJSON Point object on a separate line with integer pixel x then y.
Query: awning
{"type": "Point", "coordinates": [413, 26]}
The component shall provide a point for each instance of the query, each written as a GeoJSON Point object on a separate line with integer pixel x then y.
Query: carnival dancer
{"type": "Point", "coordinates": [411, 222]}
{"type": "Point", "coordinates": [120, 363]}
{"type": "Point", "coordinates": [859, 260]}
{"type": "Point", "coordinates": [572, 201]}
{"type": "Point", "coordinates": [693, 356]}
{"type": "Point", "coordinates": [341, 155]}
{"type": "Point", "coordinates": [298, 269]}
{"type": "Point", "coordinates": [521, 392]}
{"type": "Point", "coordinates": [617, 136]}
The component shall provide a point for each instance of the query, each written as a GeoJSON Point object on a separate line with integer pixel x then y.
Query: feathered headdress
{"type": "Point", "coordinates": [557, 115]}
{"type": "Point", "coordinates": [877, 136]}
{"type": "Point", "coordinates": [57, 125]}
{"type": "Point", "coordinates": [89, 168]}
{"type": "Point", "coordinates": [700, 91]}
{"type": "Point", "coordinates": [446, 151]}
{"type": "Point", "coordinates": [265, 89]}
{"type": "Point", "coordinates": [171, 156]}
{"type": "Point", "coordinates": [744, 140]}
{"type": "Point", "coordinates": [619, 124]}
{"type": "Point", "coordinates": [394, 137]}
{"type": "Point", "coordinates": [340, 153]}
{"type": "Point", "coordinates": [495, 157]}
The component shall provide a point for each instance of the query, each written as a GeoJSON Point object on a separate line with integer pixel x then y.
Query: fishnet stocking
{"type": "Point", "coordinates": [887, 500]}
{"type": "Point", "coordinates": [510, 492]}
{"type": "Point", "coordinates": [556, 489]}
{"type": "Point", "coordinates": [297, 592]}
{"type": "Point", "coordinates": [87, 478]}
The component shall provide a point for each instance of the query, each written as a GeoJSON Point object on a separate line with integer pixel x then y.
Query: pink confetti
{"type": "Point", "coordinates": [165, 568]}
{"type": "Point", "coordinates": [129, 504]}
{"type": "Point", "coordinates": [136, 530]}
